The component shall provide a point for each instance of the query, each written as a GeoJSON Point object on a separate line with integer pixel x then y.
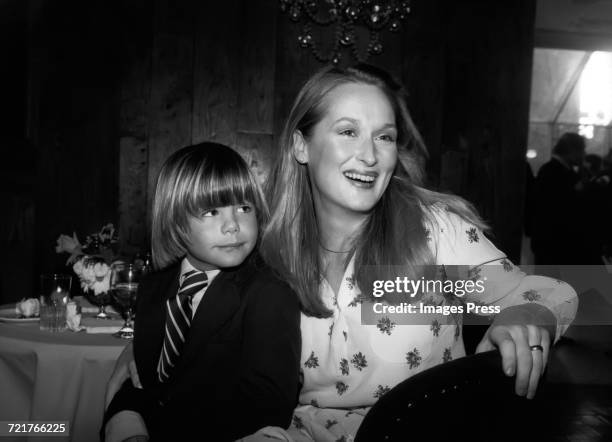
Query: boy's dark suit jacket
{"type": "Point", "coordinates": [239, 368]}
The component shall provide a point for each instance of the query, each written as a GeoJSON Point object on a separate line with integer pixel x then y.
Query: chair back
{"type": "Point", "coordinates": [467, 399]}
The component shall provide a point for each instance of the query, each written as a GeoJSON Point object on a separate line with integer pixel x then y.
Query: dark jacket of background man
{"type": "Point", "coordinates": [559, 222]}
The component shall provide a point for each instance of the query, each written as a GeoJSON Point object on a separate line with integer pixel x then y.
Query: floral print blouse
{"type": "Point", "coordinates": [347, 366]}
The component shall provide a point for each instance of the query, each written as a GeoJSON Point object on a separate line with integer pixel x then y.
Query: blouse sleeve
{"type": "Point", "coordinates": [463, 246]}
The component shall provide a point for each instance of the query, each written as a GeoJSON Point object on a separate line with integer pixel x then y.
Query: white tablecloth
{"type": "Point", "coordinates": [55, 377]}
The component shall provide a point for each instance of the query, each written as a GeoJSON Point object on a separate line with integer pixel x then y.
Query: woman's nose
{"type": "Point", "coordinates": [367, 152]}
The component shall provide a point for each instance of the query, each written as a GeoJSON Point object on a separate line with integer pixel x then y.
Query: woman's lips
{"type": "Point", "coordinates": [364, 180]}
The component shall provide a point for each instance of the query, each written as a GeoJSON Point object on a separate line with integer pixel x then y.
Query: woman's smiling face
{"type": "Point", "coordinates": [352, 152]}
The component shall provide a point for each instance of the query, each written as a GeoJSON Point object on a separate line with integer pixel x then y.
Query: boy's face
{"type": "Point", "coordinates": [222, 237]}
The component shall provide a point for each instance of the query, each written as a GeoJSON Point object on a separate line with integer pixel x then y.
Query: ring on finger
{"type": "Point", "coordinates": [536, 348]}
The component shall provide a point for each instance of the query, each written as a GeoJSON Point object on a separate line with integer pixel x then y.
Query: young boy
{"type": "Point", "coordinates": [217, 335]}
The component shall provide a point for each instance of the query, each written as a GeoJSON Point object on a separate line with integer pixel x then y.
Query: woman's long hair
{"type": "Point", "coordinates": [395, 231]}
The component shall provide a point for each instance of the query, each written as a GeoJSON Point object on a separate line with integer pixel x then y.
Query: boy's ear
{"type": "Point", "coordinates": [300, 148]}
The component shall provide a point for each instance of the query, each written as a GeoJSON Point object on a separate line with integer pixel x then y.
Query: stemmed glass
{"type": "Point", "coordinates": [124, 286]}
{"type": "Point", "coordinates": [101, 301]}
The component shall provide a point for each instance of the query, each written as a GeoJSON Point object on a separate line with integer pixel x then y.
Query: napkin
{"type": "Point", "coordinates": [73, 318]}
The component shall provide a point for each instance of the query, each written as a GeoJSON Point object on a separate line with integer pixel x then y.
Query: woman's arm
{"type": "Point", "coordinates": [269, 377]}
{"type": "Point", "coordinates": [125, 423]}
{"type": "Point", "coordinates": [534, 310]}
{"type": "Point", "coordinates": [125, 368]}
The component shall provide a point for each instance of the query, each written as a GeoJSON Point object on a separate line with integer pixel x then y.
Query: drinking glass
{"type": "Point", "coordinates": [124, 286]}
{"type": "Point", "coordinates": [101, 301]}
{"type": "Point", "coordinates": [54, 296]}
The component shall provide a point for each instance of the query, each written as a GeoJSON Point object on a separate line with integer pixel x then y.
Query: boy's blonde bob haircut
{"type": "Point", "coordinates": [194, 179]}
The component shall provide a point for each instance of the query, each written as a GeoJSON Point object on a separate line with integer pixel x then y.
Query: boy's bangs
{"type": "Point", "coordinates": [220, 188]}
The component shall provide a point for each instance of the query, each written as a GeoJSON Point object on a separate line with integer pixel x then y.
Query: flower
{"type": "Point", "coordinates": [107, 233]}
{"type": "Point", "coordinates": [103, 240]}
{"type": "Point", "coordinates": [67, 244]}
{"type": "Point", "coordinates": [100, 270]}
{"type": "Point", "coordinates": [78, 267]}
{"type": "Point", "coordinates": [101, 286]}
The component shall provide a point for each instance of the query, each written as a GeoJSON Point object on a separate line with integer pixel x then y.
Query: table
{"type": "Point", "coordinates": [55, 377]}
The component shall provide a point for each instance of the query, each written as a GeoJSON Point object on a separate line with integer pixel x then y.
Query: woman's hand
{"type": "Point", "coordinates": [125, 368]}
{"type": "Point", "coordinates": [523, 336]}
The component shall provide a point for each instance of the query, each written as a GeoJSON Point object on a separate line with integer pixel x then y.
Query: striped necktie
{"type": "Point", "coordinates": [178, 321]}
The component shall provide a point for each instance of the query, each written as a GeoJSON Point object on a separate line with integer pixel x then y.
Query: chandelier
{"type": "Point", "coordinates": [374, 16]}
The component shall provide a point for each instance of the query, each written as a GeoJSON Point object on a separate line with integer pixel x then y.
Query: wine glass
{"type": "Point", "coordinates": [101, 301]}
{"type": "Point", "coordinates": [124, 286]}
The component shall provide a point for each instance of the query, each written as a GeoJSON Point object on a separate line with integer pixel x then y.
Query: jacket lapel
{"type": "Point", "coordinates": [219, 304]}
{"type": "Point", "coordinates": [151, 319]}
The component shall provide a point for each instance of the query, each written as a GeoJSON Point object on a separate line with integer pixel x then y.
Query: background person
{"type": "Point", "coordinates": [560, 219]}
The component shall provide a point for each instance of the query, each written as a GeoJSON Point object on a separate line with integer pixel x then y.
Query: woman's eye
{"type": "Point", "coordinates": [387, 138]}
{"type": "Point", "coordinates": [210, 212]}
{"type": "Point", "coordinates": [244, 208]}
{"type": "Point", "coordinates": [348, 132]}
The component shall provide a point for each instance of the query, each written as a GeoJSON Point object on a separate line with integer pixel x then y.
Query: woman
{"type": "Point", "coordinates": [347, 206]}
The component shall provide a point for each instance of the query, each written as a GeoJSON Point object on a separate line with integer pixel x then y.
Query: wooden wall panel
{"type": "Point", "coordinates": [517, 30]}
{"type": "Point", "coordinates": [293, 67]}
{"type": "Point", "coordinates": [255, 121]}
{"type": "Point", "coordinates": [171, 100]}
{"type": "Point", "coordinates": [215, 71]}
{"type": "Point", "coordinates": [17, 168]}
{"type": "Point", "coordinates": [486, 106]}
{"type": "Point", "coordinates": [258, 151]}
{"type": "Point", "coordinates": [135, 92]}
{"type": "Point", "coordinates": [76, 103]}
{"type": "Point", "coordinates": [423, 76]}
{"type": "Point", "coordinates": [258, 65]}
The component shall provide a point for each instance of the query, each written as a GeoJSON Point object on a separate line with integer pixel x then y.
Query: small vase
{"type": "Point", "coordinates": [101, 300]}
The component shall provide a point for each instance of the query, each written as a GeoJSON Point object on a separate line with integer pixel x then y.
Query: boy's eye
{"type": "Point", "coordinates": [210, 212]}
{"type": "Point", "coordinates": [245, 208]}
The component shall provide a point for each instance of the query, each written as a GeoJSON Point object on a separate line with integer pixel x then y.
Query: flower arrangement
{"type": "Point", "coordinates": [91, 261]}
{"type": "Point", "coordinates": [93, 274]}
